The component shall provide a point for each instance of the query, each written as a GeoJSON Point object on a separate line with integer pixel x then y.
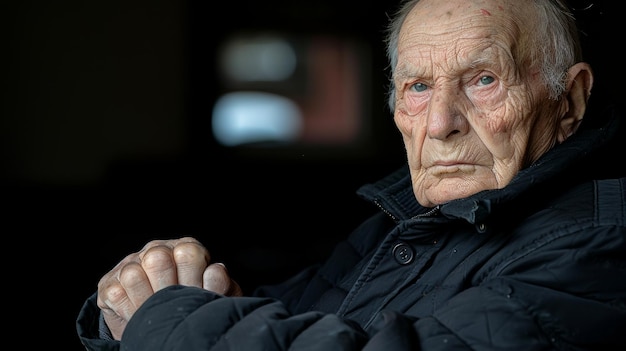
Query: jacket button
{"type": "Point", "coordinates": [403, 253]}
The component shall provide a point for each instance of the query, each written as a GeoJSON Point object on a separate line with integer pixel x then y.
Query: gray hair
{"type": "Point", "coordinates": [558, 44]}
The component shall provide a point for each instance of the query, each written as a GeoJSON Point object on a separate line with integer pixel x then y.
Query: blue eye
{"type": "Point", "coordinates": [419, 87]}
{"type": "Point", "coordinates": [486, 80]}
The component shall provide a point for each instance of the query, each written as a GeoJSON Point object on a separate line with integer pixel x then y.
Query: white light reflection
{"type": "Point", "coordinates": [251, 117]}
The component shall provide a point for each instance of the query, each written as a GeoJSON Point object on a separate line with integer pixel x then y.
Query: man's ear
{"type": "Point", "coordinates": [578, 90]}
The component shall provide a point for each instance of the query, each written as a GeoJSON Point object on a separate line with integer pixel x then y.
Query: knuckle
{"type": "Point", "coordinates": [190, 253]}
{"type": "Point", "coordinates": [114, 294]}
{"type": "Point", "coordinates": [157, 258]}
{"type": "Point", "coordinates": [131, 275]}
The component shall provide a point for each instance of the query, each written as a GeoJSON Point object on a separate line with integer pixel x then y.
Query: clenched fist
{"type": "Point", "coordinates": [160, 263]}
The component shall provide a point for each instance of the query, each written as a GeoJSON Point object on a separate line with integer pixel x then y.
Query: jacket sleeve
{"type": "Point", "coordinates": [92, 330]}
{"type": "Point", "coordinates": [189, 318]}
{"type": "Point", "coordinates": [193, 319]}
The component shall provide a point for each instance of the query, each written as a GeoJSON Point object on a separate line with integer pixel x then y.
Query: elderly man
{"type": "Point", "coordinates": [493, 236]}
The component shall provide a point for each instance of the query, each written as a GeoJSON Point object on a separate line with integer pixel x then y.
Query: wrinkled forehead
{"type": "Point", "coordinates": [436, 20]}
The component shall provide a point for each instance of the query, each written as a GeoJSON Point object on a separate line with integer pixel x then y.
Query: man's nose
{"type": "Point", "coordinates": [445, 118]}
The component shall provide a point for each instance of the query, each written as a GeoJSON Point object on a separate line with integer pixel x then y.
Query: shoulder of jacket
{"type": "Point", "coordinates": [602, 200]}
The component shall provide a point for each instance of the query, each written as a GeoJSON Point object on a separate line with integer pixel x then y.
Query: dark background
{"type": "Point", "coordinates": [106, 144]}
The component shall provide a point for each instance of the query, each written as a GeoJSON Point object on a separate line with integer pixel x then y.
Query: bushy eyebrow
{"type": "Point", "coordinates": [481, 61]}
{"type": "Point", "coordinates": [403, 73]}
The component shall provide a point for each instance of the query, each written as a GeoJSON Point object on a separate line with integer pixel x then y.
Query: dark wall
{"type": "Point", "coordinates": [105, 145]}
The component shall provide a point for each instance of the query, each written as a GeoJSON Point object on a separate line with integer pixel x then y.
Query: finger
{"type": "Point", "coordinates": [117, 308]}
{"type": "Point", "coordinates": [111, 293]}
{"type": "Point", "coordinates": [114, 299]}
{"type": "Point", "coordinates": [217, 279]}
{"type": "Point", "coordinates": [123, 295]}
{"type": "Point", "coordinates": [136, 284]}
{"type": "Point", "coordinates": [191, 260]}
{"type": "Point", "coordinates": [115, 323]}
{"type": "Point", "coordinates": [159, 266]}
{"type": "Point", "coordinates": [126, 291]}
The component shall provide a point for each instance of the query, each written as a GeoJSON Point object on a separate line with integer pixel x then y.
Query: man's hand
{"type": "Point", "coordinates": [159, 264]}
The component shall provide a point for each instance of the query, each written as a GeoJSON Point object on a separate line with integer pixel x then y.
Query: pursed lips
{"type": "Point", "coordinates": [451, 166]}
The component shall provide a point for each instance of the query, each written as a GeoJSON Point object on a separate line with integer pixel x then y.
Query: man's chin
{"type": "Point", "coordinates": [447, 189]}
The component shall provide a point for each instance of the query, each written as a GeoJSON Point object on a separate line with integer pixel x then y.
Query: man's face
{"type": "Point", "coordinates": [472, 112]}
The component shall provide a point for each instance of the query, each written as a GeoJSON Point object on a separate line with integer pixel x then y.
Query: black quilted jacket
{"type": "Point", "coordinates": [538, 265]}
